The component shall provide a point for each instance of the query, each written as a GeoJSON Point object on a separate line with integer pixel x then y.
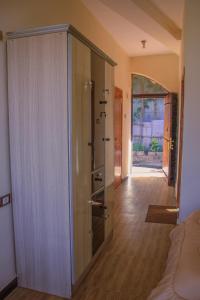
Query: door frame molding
{"type": "Point", "coordinates": [118, 93]}
{"type": "Point", "coordinates": [161, 95]}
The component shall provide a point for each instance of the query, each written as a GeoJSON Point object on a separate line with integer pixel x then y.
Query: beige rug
{"type": "Point", "coordinates": [162, 214]}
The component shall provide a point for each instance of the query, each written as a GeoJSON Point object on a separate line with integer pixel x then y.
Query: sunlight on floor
{"type": "Point", "coordinates": [146, 172]}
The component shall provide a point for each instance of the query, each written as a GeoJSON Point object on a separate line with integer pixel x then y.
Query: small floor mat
{"type": "Point", "coordinates": [162, 214]}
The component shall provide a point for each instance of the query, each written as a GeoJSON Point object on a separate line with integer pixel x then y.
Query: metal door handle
{"type": "Point", "coordinates": [102, 114]}
{"type": "Point", "coordinates": [106, 91]}
{"type": "Point", "coordinates": [95, 203]}
{"type": "Point", "coordinates": [171, 144]}
{"type": "Point", "coordinates": [88, 83]}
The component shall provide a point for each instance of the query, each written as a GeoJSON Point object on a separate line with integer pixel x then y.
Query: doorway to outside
{"type": "Point", "coordinates": [148, 112]}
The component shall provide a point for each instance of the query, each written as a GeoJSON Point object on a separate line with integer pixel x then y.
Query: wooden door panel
{"type": "Point", "coordinates": [165, 156]}
{"type": "Point", "coordinates": [169, 138]}
{"type": "Point", "coordinates": [167, 118]}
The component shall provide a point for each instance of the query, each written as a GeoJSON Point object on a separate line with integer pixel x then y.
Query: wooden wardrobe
{"type": "Point", "coordinates": [50, 88]}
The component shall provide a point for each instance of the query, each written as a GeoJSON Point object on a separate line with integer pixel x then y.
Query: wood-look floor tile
{"type": "Point", "coordinates": [134, 260]}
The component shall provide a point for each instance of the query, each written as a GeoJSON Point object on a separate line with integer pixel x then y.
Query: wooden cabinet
{"type": "Point", "coordinates": [80, 104]}
{"type": "Point", "coordinates": [37, 76]}
{"type": "Point", "coordinates": [49, 84]}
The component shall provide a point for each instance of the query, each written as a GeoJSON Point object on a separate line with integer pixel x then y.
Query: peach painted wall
{"type": "Point", "coordinates": [19, 14]}
{"type": "Point", "coordinates": [164, 69]}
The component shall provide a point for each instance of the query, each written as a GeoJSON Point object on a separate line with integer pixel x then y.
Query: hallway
{"type": "Point", "coordinates": [135, 259]}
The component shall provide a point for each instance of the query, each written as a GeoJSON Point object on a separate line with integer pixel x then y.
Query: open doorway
{"type": "Point", "coordinates": [153, 129]}
{"type": "Point", "coordinates": [147, 131]}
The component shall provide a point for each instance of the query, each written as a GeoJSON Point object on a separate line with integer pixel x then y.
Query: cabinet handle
{"type": "Point", "coordinates": [102, 114]}
{"type": "Point", "coordinates": [106, 139]}
{"type": "Point", "coordinates": [98, 179]}
{"type": "Point", "coordinates": [98, 204]}
{"type": "Point", "coordinates": [88, 83]}
{"type": "Point", "coordinates": [94, 203]}
{"type": "Point", "coordinates": [106, 91]}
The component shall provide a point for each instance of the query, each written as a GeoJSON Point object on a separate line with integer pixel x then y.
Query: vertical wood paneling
{"type": "Point", "coordinates": [98, 77]}
{"type": "Point", "coordinates": [109, 146]}
{"type": "Point", "coordinates": [81, 156]}
{"type": "Point", "coordinates": [37, 76]}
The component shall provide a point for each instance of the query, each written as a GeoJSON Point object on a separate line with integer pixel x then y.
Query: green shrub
{"type": "Point", "coordinates": [154, 145]}
{"type": "Point", "coordinates": [138, 147]}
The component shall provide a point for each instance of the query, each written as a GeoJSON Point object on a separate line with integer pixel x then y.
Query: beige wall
{"type": "Point", "coordinates": [164, 69]}
{"type": "Point", "coordinates": [19, 14]}
{"type": "Point", "coordinates": [190, 190]}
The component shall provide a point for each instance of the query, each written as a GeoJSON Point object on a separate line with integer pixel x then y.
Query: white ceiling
{"type": "Point", "coordinates": [129, 24]}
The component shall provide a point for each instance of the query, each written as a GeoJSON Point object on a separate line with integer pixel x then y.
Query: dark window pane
{"type": "Point", "coordinates": [144, 85]}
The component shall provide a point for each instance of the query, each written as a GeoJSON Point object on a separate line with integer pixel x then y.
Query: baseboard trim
{"type": "Point", "coordinates": [91, 264]}
{"type": "Point", "coordinates": [8, 289]}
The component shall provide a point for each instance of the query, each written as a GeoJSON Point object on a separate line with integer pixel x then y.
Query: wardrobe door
{"type": "Point", "coordinates": [109, 146]}
{"type": "Point", "coordinates": [37, 76]}
{"type": "Point", "coordinates": [98, 79]}
{"type": "Point", "coordinates": [80, 71]}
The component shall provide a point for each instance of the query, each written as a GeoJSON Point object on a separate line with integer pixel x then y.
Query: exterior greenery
{"type": "Point", "coordinates": [137, 115]}
{"type": "Point", "coordinates": [153, 147]}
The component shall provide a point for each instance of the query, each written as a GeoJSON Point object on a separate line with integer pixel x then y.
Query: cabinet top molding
{"type": "Point", "coordinates": [60, 28]}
